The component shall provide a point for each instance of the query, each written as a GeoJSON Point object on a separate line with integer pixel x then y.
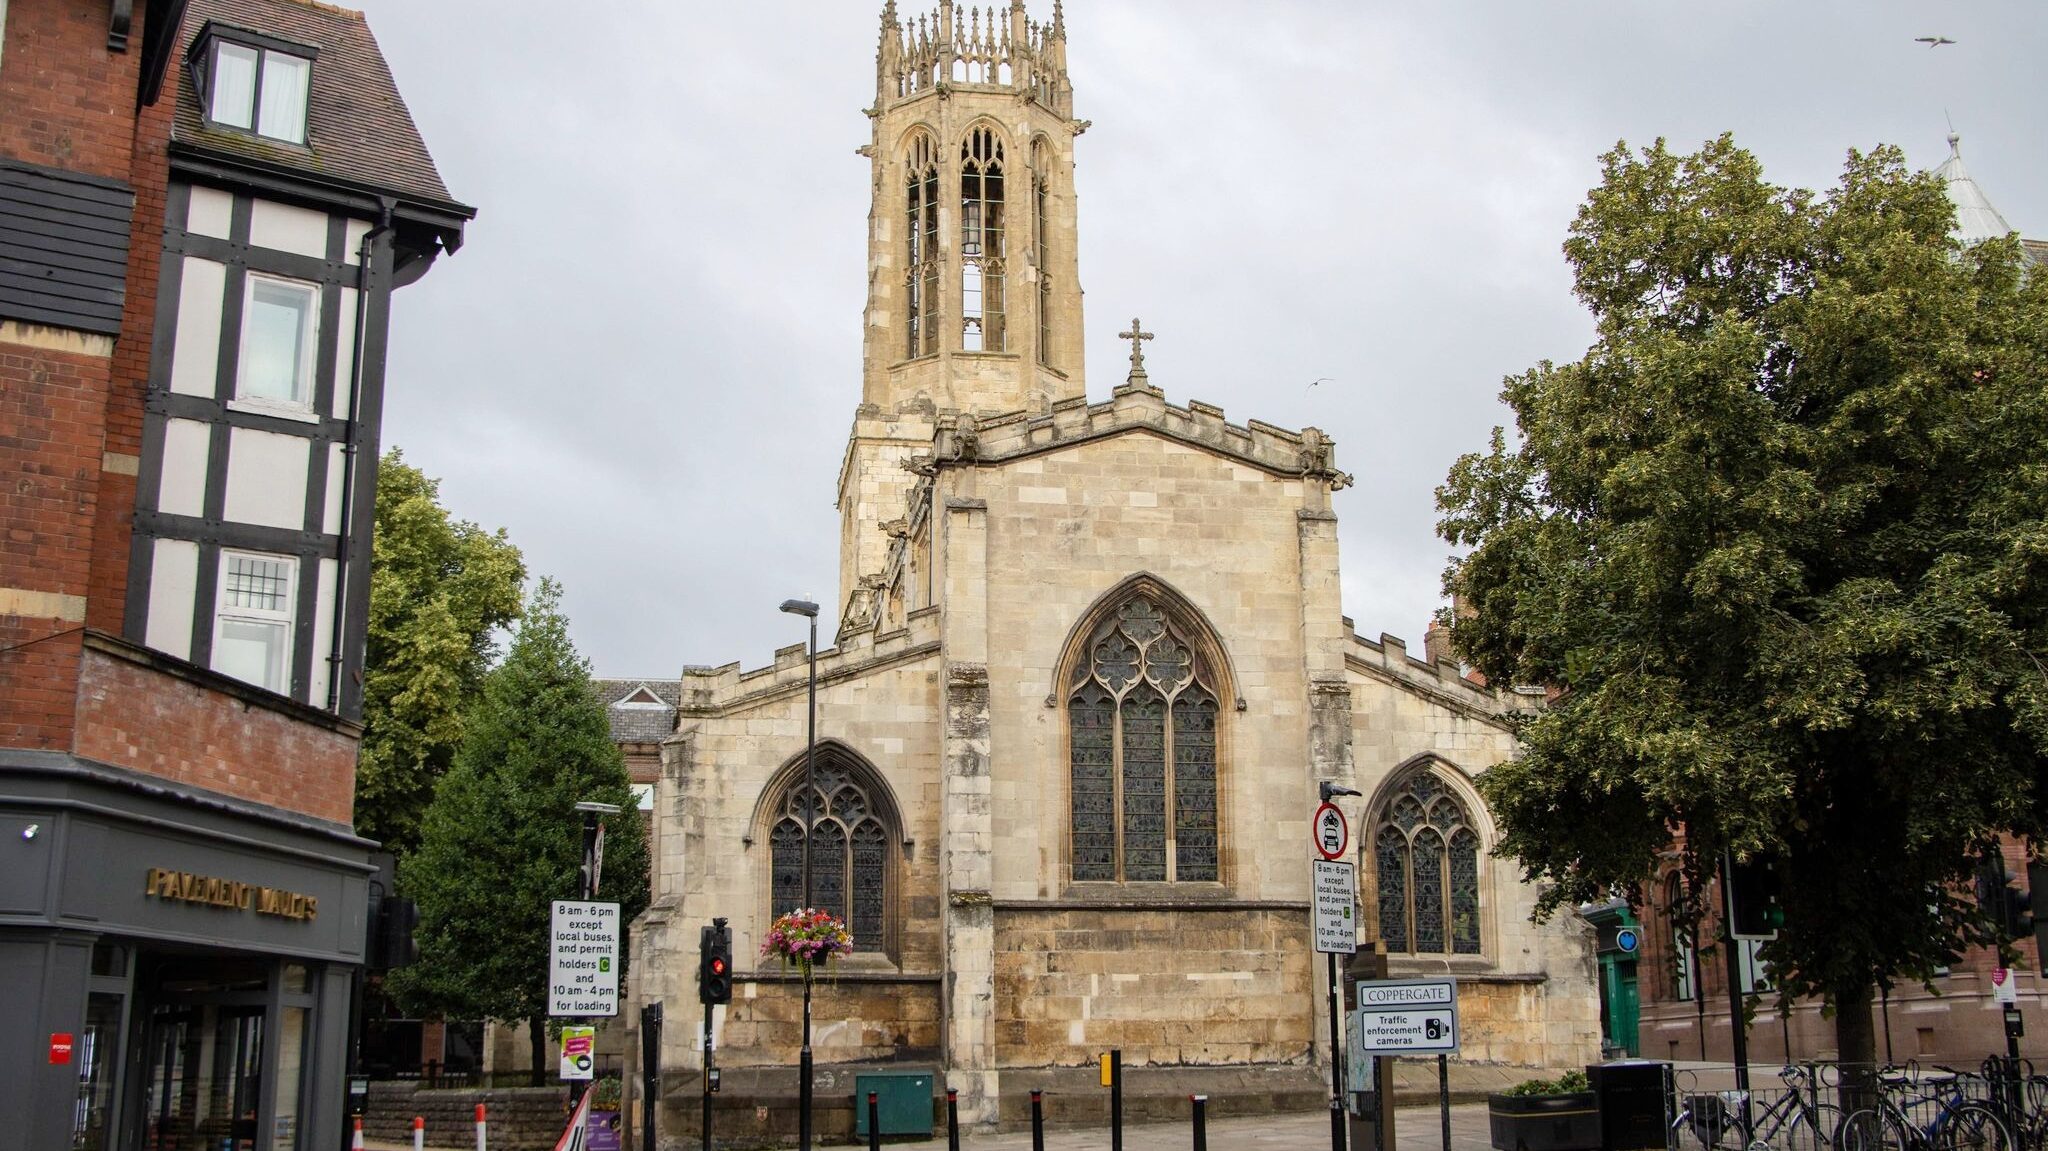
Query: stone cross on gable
{"type": "Point", "coordinates": [1137, 336]}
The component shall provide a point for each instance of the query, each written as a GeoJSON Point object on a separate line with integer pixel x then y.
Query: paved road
{"type": "Point", "coordinates": [1415, 1128]}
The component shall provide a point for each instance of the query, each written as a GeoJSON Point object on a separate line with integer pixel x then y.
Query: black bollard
{"type": "Point", "coordinates": [1037, 1121]}
{"type": "Point", "coordinates": [952, 1120]}
{"type": "Point", "coordinates": [1116, 1100]}
{"type": "Point", "coordinates": [1201, 1103]}
{"type": "Point", "coordinates": [874, 1123]}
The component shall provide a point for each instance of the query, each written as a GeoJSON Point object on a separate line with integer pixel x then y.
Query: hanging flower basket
{"type": "Point", "coordinates": [807, 938]}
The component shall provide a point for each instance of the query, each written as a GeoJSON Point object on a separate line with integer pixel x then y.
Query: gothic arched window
{"type": "Point", "coordinates": [921, 255]}
{"type": "Point", "coordinates": [1041, 224]}
{"type": "Point", "coordinates": [1141, 709]}
{"type": "Point", "coordinates": [849, 853]}
{"type": "Point", "coordinates": [981, 242]}
{"type": "Point", "coordinates": [1426, 858]}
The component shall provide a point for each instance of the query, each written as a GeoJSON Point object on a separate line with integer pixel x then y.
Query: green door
{"type": "Point", "coordinates": [1620, 1002]}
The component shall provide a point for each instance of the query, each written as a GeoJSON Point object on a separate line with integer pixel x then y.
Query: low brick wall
{"type": "Point", "coordinates": [519, 1118]}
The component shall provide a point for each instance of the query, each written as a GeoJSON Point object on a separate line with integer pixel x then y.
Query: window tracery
{"type": "Point", "coordinates": [1141, 713]}
{"type": "Point", "coordinates": [1425, 857]}
{"type": "Point", "coordinates": [921, 237]}
{"type": "Point", "coordinates": [849, 854]}
{"type": "Point", "coordinates": [983, 269]}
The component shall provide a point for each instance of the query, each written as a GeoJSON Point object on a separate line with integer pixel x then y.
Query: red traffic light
{"type": "Point", "coordinates": [718, 965]}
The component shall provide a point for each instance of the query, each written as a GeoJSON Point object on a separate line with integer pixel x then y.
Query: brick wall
{"type": "Point", "coordinates": [50, 404]}
{"type": "Point", "coordinates": [68, 97]}
{"type": "Point", "coordinates": [122, 419]}
{"type": "Point", "coordinates": [182, 727]}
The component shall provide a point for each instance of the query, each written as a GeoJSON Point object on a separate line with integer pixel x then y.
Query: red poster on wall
{"type": "Point", "coordinates": [60, 1047]}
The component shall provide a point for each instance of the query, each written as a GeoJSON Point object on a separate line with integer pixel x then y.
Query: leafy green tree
{"type": "Point", "coordinates": [1779, 545]}
{"type": "Point", "coordinates": [440, 589]}
{"type": "Point", "coordinates": [502, 839]}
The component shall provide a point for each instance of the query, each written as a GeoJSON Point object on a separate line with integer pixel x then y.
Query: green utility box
{"type": "Point", "coordinates": [903, 1102]}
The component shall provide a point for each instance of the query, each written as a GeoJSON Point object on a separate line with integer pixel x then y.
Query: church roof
{"type": "Point", "coordinates": [1976, 219]}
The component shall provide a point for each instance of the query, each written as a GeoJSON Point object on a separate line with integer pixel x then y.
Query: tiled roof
{"type": "Point", "coordinates": [357, 127]}
{"type": "Point", "coordinates": [639, 722]}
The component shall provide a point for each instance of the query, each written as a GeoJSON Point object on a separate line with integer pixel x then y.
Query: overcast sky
{"type": "Point", "coordinates": [644, 361]}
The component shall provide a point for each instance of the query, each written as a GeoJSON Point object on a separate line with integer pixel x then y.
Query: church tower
{"type": "Point", "coordinates": [974, 298]}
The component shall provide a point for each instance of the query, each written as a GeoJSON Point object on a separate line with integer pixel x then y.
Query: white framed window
{"type": "Point", "coordinates": [252, 622]}
{"type": "Point", "coordinates": [280, 337]}
{"type": "Point", "coordinates": [260, 90]}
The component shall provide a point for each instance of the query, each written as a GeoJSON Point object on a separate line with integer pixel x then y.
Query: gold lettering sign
{"type": "Point", "coordinates": [185, 887]}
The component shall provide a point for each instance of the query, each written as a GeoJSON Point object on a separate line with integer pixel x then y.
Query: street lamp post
{"type": "Point", "coordinates": [810, 610]}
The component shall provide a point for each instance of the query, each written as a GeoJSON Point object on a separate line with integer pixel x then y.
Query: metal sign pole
{"type": "Point", "coordinates": [1336, 1064]}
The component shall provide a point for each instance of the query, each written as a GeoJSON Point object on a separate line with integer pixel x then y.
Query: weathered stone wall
{"type": "Point", "coordinates": [1165, 986]}
{"type": "Point", "coordinates": [855, 1018]}
{"type": "Point", "coordinates": [879, 699]}
{"type": "Point", "coordinates": [1065, 529]}
{"type": "Point", "coordinates": [515, 1118]}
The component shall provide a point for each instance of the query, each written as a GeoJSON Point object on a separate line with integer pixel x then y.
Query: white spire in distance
{"type": "Point", "coordinates": [1976, 219]}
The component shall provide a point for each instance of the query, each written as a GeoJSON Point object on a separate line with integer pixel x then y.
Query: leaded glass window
{"type": "Point", "coordinates": [1141, 716]}
{"type": "Point", "coordinates": [921, 256]}
{"type": "Point", "coordinates": [849, 855]}
{"type": "Point", "coordinates": [982, 265]}
{"type": "Point", "coordinates": [1425, 857]}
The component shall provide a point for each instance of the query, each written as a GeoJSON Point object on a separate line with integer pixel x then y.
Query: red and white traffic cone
{"type": "Point", "coordinates": [355, 1141]}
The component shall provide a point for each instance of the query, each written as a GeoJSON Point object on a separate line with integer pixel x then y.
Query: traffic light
{"type": "Point", "coordinates": [714, 963]}
{"type": "Point", "coordinates": [2037, 877]}
{"type": "Point", "coordinates": [397, 919]}
{"type": "Point", "coordinates": [1753, 908]}
{"type": "Point", "coordinates": [2004, 902]}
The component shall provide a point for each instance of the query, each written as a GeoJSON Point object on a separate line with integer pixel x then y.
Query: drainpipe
{"type": "Point", "coordinates": [364, 278]}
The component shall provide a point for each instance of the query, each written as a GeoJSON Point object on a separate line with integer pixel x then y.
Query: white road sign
{"type": "Point", "coordinates": [583, 963]}
{"type": "Point", "coordinates": [1332, 834]}
{"type": "Point", "coordinates": [1406, 1017]}
{"type": "Point", "coordinates": [1336, 896]}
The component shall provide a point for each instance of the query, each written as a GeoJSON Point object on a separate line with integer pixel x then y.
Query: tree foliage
{"type": "Point", "coordinates": [440, 589]}
{"type": "Point", "coordinates": [502, 839]}
{"type": "Point", "coordinates": [1779, 544]}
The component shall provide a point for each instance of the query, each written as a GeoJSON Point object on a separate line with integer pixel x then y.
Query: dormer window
{"type": "Point", "coordinates": [256, 86]}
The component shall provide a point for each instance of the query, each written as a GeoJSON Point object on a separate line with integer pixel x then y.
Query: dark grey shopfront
{"type": "Point", "coordinates": [175, 965]}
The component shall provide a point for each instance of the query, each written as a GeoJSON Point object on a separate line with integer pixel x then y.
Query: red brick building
{"type": "Point", "coordinates": [205, 206]}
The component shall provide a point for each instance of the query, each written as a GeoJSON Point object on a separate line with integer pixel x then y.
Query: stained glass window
{"type": "Point", "coordinates": [1142, 753]}
{"type": "Point", "coordinates": [849, 854]}
{"type": "Point", "coordinates": [1425, 858]}
{"type": "Point", "coordinates": [1194, 786]}
{"type": "Point", "coordinates": [1391, 856]}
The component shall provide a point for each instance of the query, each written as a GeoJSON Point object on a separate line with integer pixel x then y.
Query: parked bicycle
{"type": "Point", "coordinates": [1796, 1121]}
{"type": "Point", "coordinates": [1941, 1110]}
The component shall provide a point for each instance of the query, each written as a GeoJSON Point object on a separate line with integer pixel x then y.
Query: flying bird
{"type": "Point", "coordinates": [1932, 41]}
{"type": "Point", "coordinates": [1319, 380]}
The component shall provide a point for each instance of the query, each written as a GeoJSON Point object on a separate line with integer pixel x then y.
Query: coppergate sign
{"type": "Point", "coordinates": [234, 895]}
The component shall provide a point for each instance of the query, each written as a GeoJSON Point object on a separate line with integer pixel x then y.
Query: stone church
{"type": "Point", "coordinates": [1090, 667]}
